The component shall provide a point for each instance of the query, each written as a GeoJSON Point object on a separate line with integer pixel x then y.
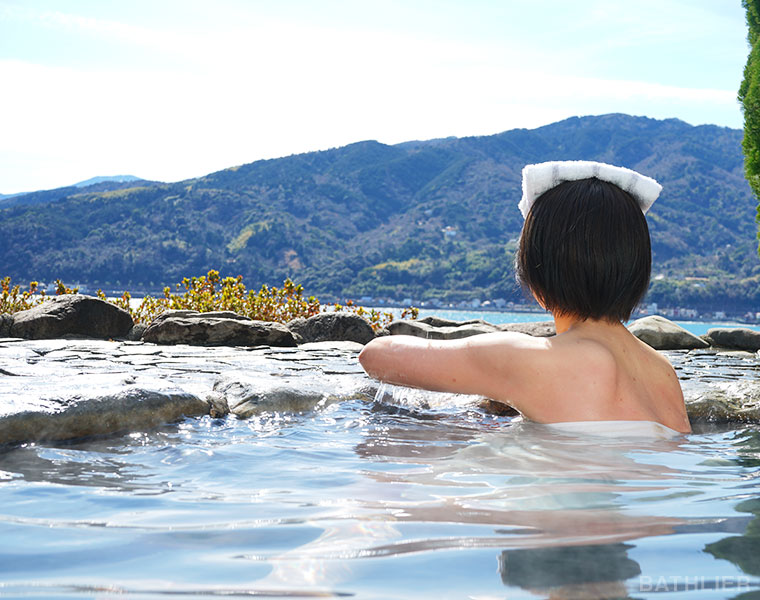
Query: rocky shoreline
{"type": "Point", "coordinates": [77, 315]}
{"type": "Point", "coordinates": [76, 366]}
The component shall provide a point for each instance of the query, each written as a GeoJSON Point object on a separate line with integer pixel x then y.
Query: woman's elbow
{"type": "Point", "coordinates": [368, 357]}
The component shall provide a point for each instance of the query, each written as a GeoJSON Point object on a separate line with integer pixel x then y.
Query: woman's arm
{"type": "Point", "coordinates": [489, 364]}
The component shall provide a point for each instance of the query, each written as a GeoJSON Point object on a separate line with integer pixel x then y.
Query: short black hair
{"type": "Point", "coordinates": [585, 251]}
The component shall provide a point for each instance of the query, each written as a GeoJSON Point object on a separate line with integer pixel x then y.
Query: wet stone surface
{"type": "Point", "coordinates": [719, 385]}
{"type": "Point", "coordinates": [61, 389]}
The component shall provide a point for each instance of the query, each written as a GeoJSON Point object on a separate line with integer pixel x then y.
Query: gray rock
{"type": "Point", "coordinates": [467, 330]}
{"type": "Point", "coordinates": [135, 334]}
{"type": "Point", "coordinates": [79, 416]}
{"type": "Point", "coordinates": [5, 325]}
{"type": "Point", "coordinates": [246, 396]}
{"type": "Point", "coordinates": [225, 314]}
{"type": "Point", "coordinates": [536, 329]}
{"type": "Point", "coordinates": [342, 349]}
{"type": "Point", "coordinates": [662, 334]}
{"type": "Point", "coordinates": [423, 330]}
{"type": "Point", "coordinates": [218, 406]}
{"type": "Point", "coordinates": [415, 328]}
{"type": "Point", "coordinates": [334, 326]}
{"type": "Point", "coordinates": [220, 314]}
{"type": "Point", "coordinates": [740, 338]}
{"type": "Point", "coordinates": [175, 313]}
{"type": "Point", "coordinates": [101, 386]}
{"type": "Point", "coordinates": [434, 321]}
{"type": "Point", "coordinates": [72, 315]}
{"type": "Point", "coordinates": [436, 328]}
{"type": "Point", "coordinates": [247, 399]}
{"type": "Point", "coordinates": [734, 402]}
{"type": "Point", "coordinates": [104, 386]}
{"type": "Point", "coordinates": [198, 329]}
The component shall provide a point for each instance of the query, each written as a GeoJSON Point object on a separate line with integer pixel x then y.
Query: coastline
{"type": "Point", "coordinates": [497, 317]}
{"type": "Point", "coordinates": [529, 314]}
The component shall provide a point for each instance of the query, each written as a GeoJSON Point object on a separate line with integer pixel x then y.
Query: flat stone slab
{"type": "Point", "coordinates": [247, 396]}
{"type": "Point", "coordinates": [63, 389]}
{"type": "Point", "coordinates": [127, 407]}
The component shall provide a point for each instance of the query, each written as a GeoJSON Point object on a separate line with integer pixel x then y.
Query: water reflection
{"type": "Point", "coordinates": [562, 504]}
{"type": "Point", "coordinates": [333, 498]}
{"type": "Point", "coordinates": [591, 571]}
{"type": "Point", "coordinates": [742, 550]}
{"type": "Point", "coordinates": [447, 483]}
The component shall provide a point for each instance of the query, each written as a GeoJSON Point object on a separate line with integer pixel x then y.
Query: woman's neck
{"type": "Point", "coordinates": [563, 323]}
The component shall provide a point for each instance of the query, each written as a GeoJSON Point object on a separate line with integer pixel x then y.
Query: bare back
{"type": "Point", "coordinates": [605, 374]}
{"type": "Point", "coordinates": [593, 371]}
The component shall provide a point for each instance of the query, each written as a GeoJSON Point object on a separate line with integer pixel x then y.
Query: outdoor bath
{"type": "Point", "coordinates": [330, 486]}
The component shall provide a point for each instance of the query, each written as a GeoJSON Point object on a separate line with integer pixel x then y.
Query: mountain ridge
{"type": "Point", "coordinates": [417, 219]}
{"type": "Point", "coordinates": [94, 184]}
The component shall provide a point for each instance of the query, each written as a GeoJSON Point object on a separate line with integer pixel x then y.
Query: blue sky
{"type": "Point", "coordinates": [172, 89]}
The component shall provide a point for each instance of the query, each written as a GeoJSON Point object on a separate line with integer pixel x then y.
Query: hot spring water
{"type": "Point", "coordinates": [402, 495]}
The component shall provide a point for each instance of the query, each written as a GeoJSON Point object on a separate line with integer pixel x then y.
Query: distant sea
{"type": "Point", "coordinates": [497, 317]}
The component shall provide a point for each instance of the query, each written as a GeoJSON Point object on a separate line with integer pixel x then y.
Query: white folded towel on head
{"type": "Point", "coordinates": [540, 178]}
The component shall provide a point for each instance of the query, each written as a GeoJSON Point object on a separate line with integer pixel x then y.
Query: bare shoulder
{"type": "Point", "coordinates": [664, 374]}
{"type": "Point", "coordinates": [657, 361]}
{"type": "Point", "coordinates": [584, 354]}
{"type": "Point", "coordinates": [564, 379]}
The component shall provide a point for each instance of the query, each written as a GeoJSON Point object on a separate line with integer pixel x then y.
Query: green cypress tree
{"type": "Point", "coordinates": [749, 95]}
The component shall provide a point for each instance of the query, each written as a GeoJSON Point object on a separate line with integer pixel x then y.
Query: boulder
{"type": "Point", "coordinates": [135, 334]}
{"type": "Point", "coordinates": [436, 328]}
{"type": "Point", "coordinates": [662, 334]}
{"type": "Point", "coordinates": [5, 325]}
{"type": "Point", "coordinates": [199, 329]}
{"type": "Point", "coordinates": [109, 411]}
{"type": "Point", "coordinates": [740, 338]}
{"type": "Point", "coordinates": [536, 329]}
{"type": "Point", "coordinates": [246, 396]}
{"type": "Point", "coordinates": [218, 314]}
{"type": "Point", "coordinates": [423, 330]}
{"type": "Point", "coordinates": [72, 315]}
{"type": "Point", "coordinates": [733, 402]}
{"type": "Point", "coordinates": [222, 314]}
{"type": "Point", "coordinates": [434, 321]}
{"type": "Point", "coordinates": [247, 399]}
{"type": "Point", "coordinates": [339, 327]}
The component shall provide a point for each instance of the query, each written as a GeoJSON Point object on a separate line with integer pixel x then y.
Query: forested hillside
{"type": "Point", "coordinates": [424, 219]}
